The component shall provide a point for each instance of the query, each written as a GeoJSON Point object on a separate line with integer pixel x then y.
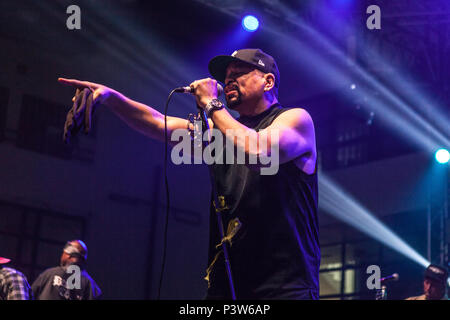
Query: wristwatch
{"type": "Point", "coordinates": [213, 105]}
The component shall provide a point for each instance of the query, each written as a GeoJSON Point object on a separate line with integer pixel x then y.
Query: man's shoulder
{"type": "Point", "coordinates": [288, 108]}
{"type": "Point", "coordinates": [90, 282]}
{"type": "Point", "coordinates": [11, 272]}
{"type": "Point", "coordinates": [294, 113]}
{"type": "Point", "coordinates": [85, 274]}
{"type": "Point", "coordinates": [51, 271]}
{"type": "Point", "coordinates": [422, 297]}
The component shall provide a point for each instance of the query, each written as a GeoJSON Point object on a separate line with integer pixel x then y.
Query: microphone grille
{"type": "Point", "coordinates": [219, 89]}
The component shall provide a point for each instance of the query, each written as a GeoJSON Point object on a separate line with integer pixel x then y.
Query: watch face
{"type": "Point", "coordinates": [215, 103]}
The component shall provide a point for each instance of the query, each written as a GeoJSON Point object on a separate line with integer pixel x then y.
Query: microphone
{"type": "Point", "coordinates": [392, 277]}
{"type": "Point", "coordinates": [188, 89]}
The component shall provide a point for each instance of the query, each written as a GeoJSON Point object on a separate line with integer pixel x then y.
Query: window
{"type": "Point", "coordinates": [33, 238]}
{"type": "Point", "coordinates": [331, 257]}
{"type": "Point", "coordinates": [41, 127]}
{"type": "Point", "coordinates": [343, 271]}
{"type": "Point", "coordinates": [330, 283]}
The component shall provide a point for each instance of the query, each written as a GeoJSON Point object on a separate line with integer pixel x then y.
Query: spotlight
{"type": "Point", "coordinates": [334, 200]}
{"type": "Point", "coordinates": [353, 86]}
{"type": "Point", "coordinates": [250, 23]}
{"type": "Point", "coordinates": [442, 156]}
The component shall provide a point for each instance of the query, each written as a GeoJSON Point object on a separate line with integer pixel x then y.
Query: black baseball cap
{"type": "Point", "coordinates": [255, 57]}
{"type": "Point", "coordinates": [436, 272]}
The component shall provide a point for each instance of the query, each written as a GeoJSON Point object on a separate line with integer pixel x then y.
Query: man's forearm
{"type": "Point", "coordinates": [143, 118]}
{"type": "Point", "coordinates": [138, 116]}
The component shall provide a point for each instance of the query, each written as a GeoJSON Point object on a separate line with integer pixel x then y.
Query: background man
{"type": "Point", "coordinates": [63, 282]}
{"type": "Point", "coordinates": [434, 284]}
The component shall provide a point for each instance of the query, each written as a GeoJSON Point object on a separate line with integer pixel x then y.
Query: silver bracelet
{"type": "Point", "coordinates": [196, 121]}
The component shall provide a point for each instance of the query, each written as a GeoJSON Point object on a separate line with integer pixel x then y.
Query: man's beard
{"type": "Point", "coordinates": [235, 100]}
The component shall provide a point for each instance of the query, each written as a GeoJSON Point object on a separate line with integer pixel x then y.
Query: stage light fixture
{"type": "Point", "coordinates": [250, 23]}
{"type": "Point", "coordinates": [442, 156]}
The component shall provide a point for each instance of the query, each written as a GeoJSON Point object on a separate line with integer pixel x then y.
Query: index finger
{"type": "Point", "coordinates": [78, 83]}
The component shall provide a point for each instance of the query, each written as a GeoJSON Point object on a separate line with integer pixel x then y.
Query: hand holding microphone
{"type": "Point", "coordinates": [204, 90]}
{"type": "Point", "coordinates": [191, 90]}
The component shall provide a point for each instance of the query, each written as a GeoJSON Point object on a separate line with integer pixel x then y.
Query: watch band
{"type": "Point", "coordinates": [213, 105]}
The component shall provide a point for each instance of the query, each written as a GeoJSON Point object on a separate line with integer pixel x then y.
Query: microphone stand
{"type": "Point", "coordinates": [217, 204]}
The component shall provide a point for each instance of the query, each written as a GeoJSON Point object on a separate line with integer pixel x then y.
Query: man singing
{"type": "Point", "coordinates": [270, 219]}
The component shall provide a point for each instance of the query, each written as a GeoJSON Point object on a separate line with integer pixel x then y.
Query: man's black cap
{"type": "Point", "coordinates": [254, 57]}
{"type": "Point", "coordinates": [436, 272]}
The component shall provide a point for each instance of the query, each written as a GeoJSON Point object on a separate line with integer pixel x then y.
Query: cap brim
{"type": "Point", "coordinates": [218, 66]}
{"type": "Point", "coordinates": [4, 260]}
{"type": "Point", "coordinates": [440, 278]}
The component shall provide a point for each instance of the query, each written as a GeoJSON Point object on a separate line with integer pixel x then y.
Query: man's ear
{"type": "Point", "coordinates": [270, 81]}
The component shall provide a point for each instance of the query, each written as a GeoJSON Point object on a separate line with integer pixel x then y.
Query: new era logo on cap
{"type": "Point", "coordinates": [261, 63]}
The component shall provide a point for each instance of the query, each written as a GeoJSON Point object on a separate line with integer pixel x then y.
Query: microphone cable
{"type": "Point", "coordinates": [166, 180]}
{"type": "Point", "coordinates": [166, 183]}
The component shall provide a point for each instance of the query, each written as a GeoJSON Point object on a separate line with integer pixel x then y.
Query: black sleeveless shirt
{"type": "Point", "coordinates": [275, 254]}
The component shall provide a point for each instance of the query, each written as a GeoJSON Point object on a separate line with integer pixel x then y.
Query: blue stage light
{"type": "Point", "coordinates": [442, 156]}
{"type": "Point", "coordinates": [250, 23]}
